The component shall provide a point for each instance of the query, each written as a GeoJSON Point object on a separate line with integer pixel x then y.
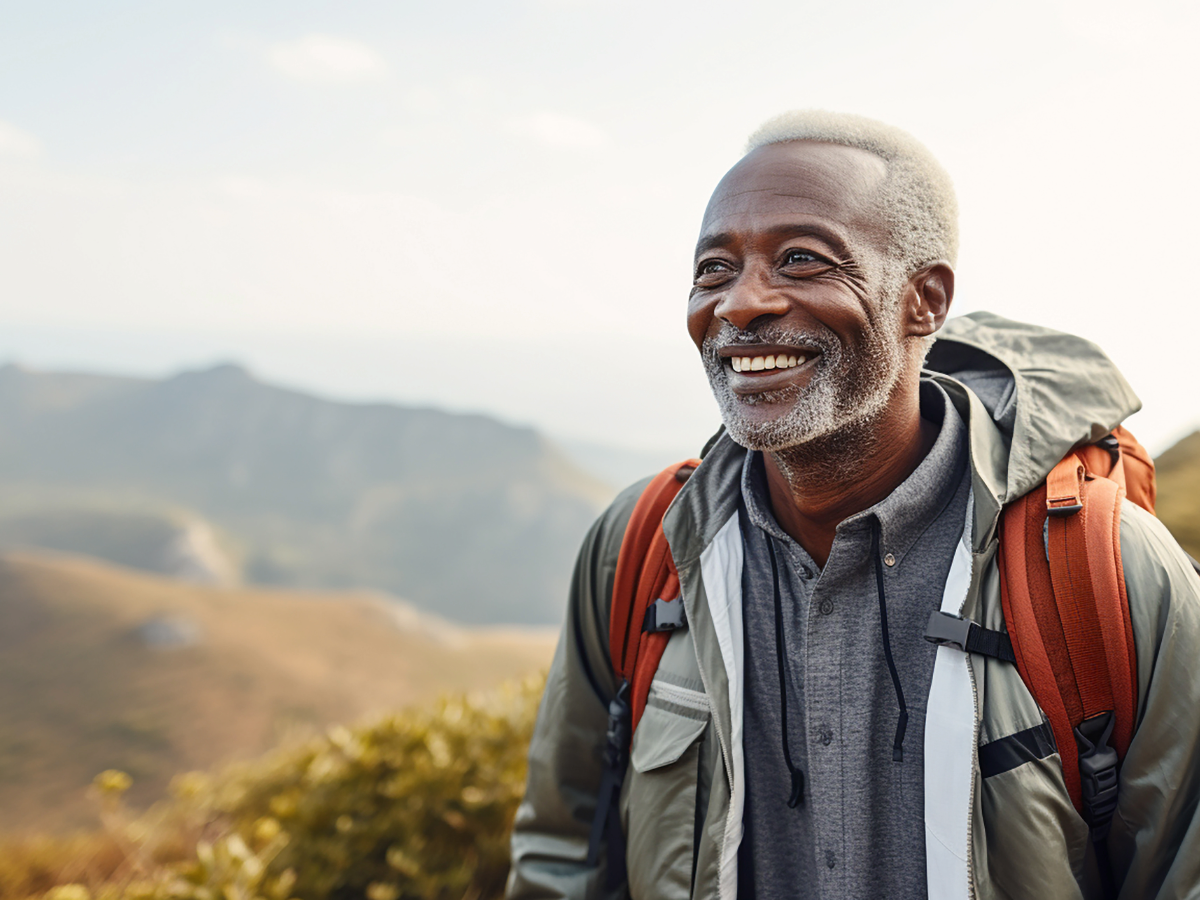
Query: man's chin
{"type": "Point", "coordinates": [756, 428]}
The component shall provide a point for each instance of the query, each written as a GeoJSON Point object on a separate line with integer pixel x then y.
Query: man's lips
{"type": "Point", "coordinates": [761, 360]}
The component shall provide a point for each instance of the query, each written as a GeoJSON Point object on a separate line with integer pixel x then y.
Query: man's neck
{"type": "Point", "coordinates": [816, 485]}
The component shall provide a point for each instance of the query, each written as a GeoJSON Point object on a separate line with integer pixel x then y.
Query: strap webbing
{"type": "Point", "coordinates": [989, 642]}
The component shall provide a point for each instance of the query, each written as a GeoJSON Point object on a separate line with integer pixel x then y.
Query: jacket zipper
{"type": "Point", "coordinates": [974, 780]}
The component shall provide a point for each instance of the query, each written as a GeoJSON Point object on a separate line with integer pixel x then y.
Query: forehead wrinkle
{"type": "Point", "coordinates": [827, 171]}
{"type": "Point", "coordinates": [840, 187]}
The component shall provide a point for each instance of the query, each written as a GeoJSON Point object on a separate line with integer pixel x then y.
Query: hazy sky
{"type": "Point", "coordinates": [492, 205]}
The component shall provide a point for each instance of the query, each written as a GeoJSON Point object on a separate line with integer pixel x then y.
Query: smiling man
{"type": "Point", "coordinates": [801, 737]}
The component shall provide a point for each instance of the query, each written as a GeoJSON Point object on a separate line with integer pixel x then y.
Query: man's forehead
{"type": "Point", "coordinates": [810, 178]}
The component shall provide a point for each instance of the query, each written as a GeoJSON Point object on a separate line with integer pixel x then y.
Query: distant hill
{"type": "Point", "coordinates": [168, 543]}
{"type": "Point", "coordinates": [461, 514]}
{"type": "Point", "coordinates": [1178, 471]}
{"type": "Point", "coordinates": [102, 667]}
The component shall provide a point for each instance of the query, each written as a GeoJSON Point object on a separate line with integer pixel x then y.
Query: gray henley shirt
{"type": "Point", "coordinates": [859, 831]}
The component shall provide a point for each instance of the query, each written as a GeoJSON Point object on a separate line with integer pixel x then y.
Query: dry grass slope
{"type": "Point", "coordinates": [102, 667]}
{"type": "Point", "coordinates": [1179, 491]}
{"type": "Point", "coordinates": [411, 806]}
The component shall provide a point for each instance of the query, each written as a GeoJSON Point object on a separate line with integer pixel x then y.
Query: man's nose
{"type": "Point", "coordinates": [750, 298]}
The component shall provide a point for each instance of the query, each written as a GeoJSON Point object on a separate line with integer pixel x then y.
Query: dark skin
{"type": "Point", "coordinates": [792, 235]}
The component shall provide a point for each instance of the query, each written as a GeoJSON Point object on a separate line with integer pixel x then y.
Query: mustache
{"type": "Point", "coordinates": [769, 333]}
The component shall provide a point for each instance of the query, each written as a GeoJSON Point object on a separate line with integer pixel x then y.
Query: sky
{"type": "Point", "coordinates": [491, 206]}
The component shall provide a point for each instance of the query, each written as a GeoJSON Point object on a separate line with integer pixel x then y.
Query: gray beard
{"type": "Point", "coordinates": [846, 389]}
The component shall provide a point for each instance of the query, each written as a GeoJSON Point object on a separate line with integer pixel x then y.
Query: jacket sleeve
{"type": "Point", "coordinates": [1155, 838]}
{"type": "Point", "coordinates": [550, 833]}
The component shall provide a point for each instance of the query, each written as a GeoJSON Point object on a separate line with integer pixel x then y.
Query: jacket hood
{"type": "Point", "coordinates": [1045, 392]}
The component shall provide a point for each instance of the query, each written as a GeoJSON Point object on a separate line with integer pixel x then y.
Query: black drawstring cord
{"type": "Point", "coordinates": [797, 775]}
{"type": "Point", "coordinates": [902, 724]}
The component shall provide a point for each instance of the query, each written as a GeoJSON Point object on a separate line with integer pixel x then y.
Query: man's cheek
{"type": "Point", "coordinates": [699, 320]}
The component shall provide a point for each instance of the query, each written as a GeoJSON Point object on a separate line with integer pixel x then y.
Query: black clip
{"type": "Point", "coordinates": [1110, 443]}
{"type": "Point", "coordinates": [1062, 512]}
{"type": "Point", "coordinates": [606, 821]}
{"type": "Point", "coordinates": [947, 628]}
{"type": "Point", "coordinates": [620, 721]}
{"type": "Point", "coordinates": [1098, 764]}
{"type": "Point", "coordinates": [970, 637]}
{"type": "Point", "coordinates": [664, 615]}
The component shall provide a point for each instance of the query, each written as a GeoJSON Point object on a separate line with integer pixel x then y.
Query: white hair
{"type": "Point", "coordinates": [917, 194]}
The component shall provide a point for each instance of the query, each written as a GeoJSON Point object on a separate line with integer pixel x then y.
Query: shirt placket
{"type": "Point", "coordinates": [829, 648]}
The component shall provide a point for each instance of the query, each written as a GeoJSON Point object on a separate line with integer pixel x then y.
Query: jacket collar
{"type": "Point", "coordinates": [713, 493]}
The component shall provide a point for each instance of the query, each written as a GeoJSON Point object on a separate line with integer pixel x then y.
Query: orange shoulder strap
{"type": "Point", "coordinates": [645, 573]}
{"type": "Point", "coordinates": [1063, 593]}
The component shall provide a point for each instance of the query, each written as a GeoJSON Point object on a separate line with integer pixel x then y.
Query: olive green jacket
{"type": "Point", "coordinates": [1028, 395]}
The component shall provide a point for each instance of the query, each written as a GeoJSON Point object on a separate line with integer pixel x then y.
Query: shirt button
{"type": "Point", "coordinates": [825, 733]}
{"type": "Point", "coordinates": [826, 607]}
{"type": "Point", "coordinates": [889, 560]}
{"type": "Point", "coordinates": [830, 858]}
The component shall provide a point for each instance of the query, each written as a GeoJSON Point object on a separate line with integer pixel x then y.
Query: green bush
{"type": "Point", "coordinates": [414, 806]}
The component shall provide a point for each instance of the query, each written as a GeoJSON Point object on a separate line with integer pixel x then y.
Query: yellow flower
{"type": "Point", "coordinates": [382, 890]}
{"type": "Point", "coordinates": [266, 829]}
{"type": "Point", "coordinates": [71, 891]}
{"type": "Point", "coordinates": [110, 783]}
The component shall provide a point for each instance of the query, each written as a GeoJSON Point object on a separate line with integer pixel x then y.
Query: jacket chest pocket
{"type": "Point", "coordinates": [660, 793]}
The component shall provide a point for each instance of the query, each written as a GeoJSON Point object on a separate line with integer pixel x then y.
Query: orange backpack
{"type": "Point", "coordinates": [1064, 601]}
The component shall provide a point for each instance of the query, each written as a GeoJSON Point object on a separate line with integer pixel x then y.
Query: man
{"type": "Point", "coordinates": [801, 738]}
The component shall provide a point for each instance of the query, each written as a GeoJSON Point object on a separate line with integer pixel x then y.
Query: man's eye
{"type": "Point", "coordinates": [799, 257]}
{"type": "Point", "coordinates": [712, 267]}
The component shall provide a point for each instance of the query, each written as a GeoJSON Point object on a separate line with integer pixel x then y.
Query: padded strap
{"type": "Point", "coordinates": [1089, 587]}
{"type": "Point", "coordinates": [645, 573]}
{"type": "Point", "coordinates": [1102, 529]}
{"type": "Point", "coordinates": [1068, 617]}
{"type": "Point", "coordinates": [1071, 579]}
{"type": "Point", "coordinates": [1034, 627]}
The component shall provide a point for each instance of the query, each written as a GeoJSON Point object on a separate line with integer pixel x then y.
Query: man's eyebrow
{"type": "Point", "coordinates": [724, 238]}
{"type": "Point", "coordinates": [711, 241]}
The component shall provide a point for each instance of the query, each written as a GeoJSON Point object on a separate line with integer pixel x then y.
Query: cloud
{"type": "Point", "coordinates": [15, 141]}
{"type": "Point", "coordinates": [563, 132]}
{"type": "Point", "coordinates": [421, 100]}
{"type": "Point", "coordinates": [325, 59]}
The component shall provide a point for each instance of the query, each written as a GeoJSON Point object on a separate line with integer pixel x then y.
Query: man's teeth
{"type": "Point", "coordinates": [758, 363]}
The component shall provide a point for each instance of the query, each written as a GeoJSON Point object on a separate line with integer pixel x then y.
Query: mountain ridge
{"type": "Point", "coordinates": [456, 512]}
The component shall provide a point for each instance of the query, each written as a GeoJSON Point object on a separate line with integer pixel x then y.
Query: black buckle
{"type": "Point", "coordinates": [605, 821]}
{"type": "Point", "coordinates": [947, 628]}
{"type": "Point", "coordinates": [1061, 512]}
{"type": "Point", "coordinates": [1098, 767]}
{"type": "Point", "coordinates": [620, 730]}
{"type": "Point", "coordinates": [664, 615]}
{"type": "Point", "coordinates": [1110, 443]}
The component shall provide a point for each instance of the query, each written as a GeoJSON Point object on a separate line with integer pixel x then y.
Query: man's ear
{"type": "Point", "coordinates": [927, 299]}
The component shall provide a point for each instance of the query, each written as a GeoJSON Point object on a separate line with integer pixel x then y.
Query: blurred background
{"type": "Point", "coordinates": [327, 329]}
